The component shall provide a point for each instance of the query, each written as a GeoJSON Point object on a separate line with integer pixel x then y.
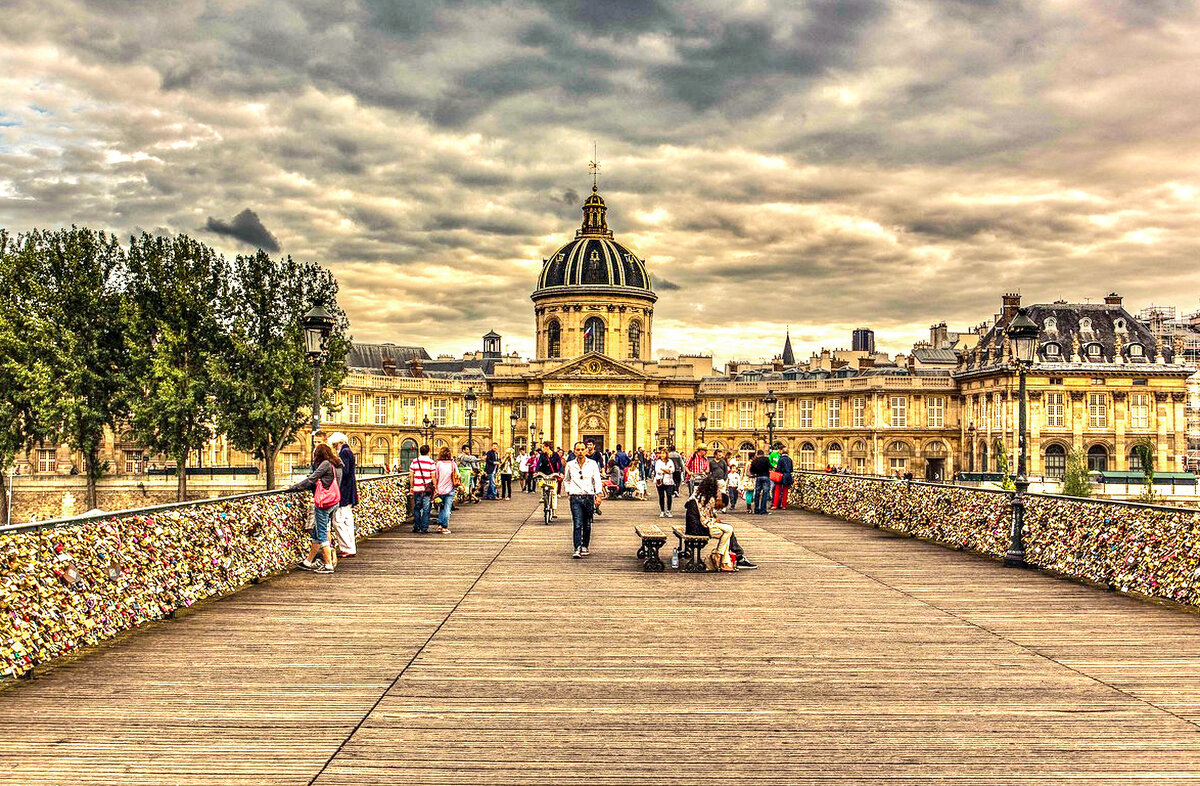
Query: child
{"type": "Point", "coordinates": [733, 482]}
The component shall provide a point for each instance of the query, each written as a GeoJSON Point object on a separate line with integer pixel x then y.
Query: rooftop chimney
{"type": "Point", "coordinates": [415, 366]}
{"type": "Point", "coordinates": [1011, 301]}
{"type": "Point", "coordinates": [389, 365]}
{"type": "Point", "coordinates": [866, 361]}
{"type": "Point", "coordinates": [1112, 299]}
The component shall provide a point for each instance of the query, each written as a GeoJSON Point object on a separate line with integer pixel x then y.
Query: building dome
{"type": "Point", "coordinates": [594, 260]}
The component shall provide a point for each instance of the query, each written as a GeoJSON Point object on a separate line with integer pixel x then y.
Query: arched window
{"type": "Point", "coordinates": [808, 455]}
{"type": "Point", "coordinates": [593, 335]}
{"type": "Point", "coordinates": [746, 452]}
{"type": "Point", "coordinates": [983, 457]}
{"type": "Point", "coordinates": [356, 446]}
{"type": "Point", "coordinates": [1056, 462]}
{"type": "Point", "coordinates": [1097, 458]}
{"type": "Point", "coordinates": [834, 452]}
{"type": "Point", "coordinates": [1135, 461]}
{"type": "Point", "coordinates": [408, 452]}
{"type": "Point", "coordinates": [635, 339]}
{"type": "Point", "coordinates": [380, 451]}
{"type": "Point", "coordinates": [714, 446]}
{"type": "Point", "coordinates": [553, 339]}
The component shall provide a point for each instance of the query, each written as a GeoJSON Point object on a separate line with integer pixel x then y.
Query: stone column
{"type": "Point", "coordinates": [546, 418]}
{"type": "Point", "coordinates": [652, 421]}
{"type": "Point", "coordinates": [574, 420]}
{"type": "Point", "coordinates": [630, 439]}
{"type": "Point", "coordinates": [556, 411]}
{"type": "Point", "coordinates": [1162, 405]}
{"type": "Point", "coordinates": [612, 423]}
{"type": "Point", "coordinates": [1120, 409]}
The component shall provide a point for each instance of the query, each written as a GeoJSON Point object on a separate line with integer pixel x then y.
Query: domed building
{"type": "Point", "coordinates": [594, 295]}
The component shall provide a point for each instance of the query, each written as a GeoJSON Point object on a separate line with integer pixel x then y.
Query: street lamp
{"type": "Point", "coordinates": [703, 425]}
{"type": "Point", "coordinates": [971, 447]}
{"type": "Point", "coordinates": [671, 437]}
{"type": "Point", "coordinates": [512, 423]}
{"type": "Point", "coordinates": [770, 402]}
{"type": "Point", "coordinates": [318, 324]}
{"type": "Point", "coordinates": [472, 401]}
{"type": "Point", "coordinates": [1023, 333]}
{"type": "Point", "coordinates": [532, 427]}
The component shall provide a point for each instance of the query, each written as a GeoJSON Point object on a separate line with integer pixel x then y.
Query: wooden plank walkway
{"type": "Point", "coordinates": [489, 655]}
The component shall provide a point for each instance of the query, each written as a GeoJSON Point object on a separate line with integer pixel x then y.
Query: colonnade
{"type": "Point", "coordinates": [632, 421]}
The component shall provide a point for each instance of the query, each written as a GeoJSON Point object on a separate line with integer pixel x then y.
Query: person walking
{"type": "Point", "coordinates": [596, 455]}
{"type": "Point", "coordinates": [519, 465]}
{"type": "Point", "coordinates": [623, 461]}
{"type": "Point", "coordinates": [677, 474]}
{"type": "Point", "coordinates": [664, 481]}
{"type": "Point", "coordinates": [584, 487]}
{"type": "Point", "coordinates": [324, 483]}
{"type": "Point", "coordinates": [718, 468]}
{"type": "Point", "coordinates": [760, 470]}
{"type": "Point", "coordinates": [491, 463]}
{"type": "Point", "coordinates": [446, 482]}
{"type": "Point", "coordinates": [343, 515]}
{"type": "Point", "coordinates": [784, 467]}
{"type": "Point", "coordinates": [733, 486]}
{"type": "Point", "coordinates": [550, 467]}
{"type": "Point", "coordinates": [422, 475]}
{"type": "Point", "coordinates": [506, 474]}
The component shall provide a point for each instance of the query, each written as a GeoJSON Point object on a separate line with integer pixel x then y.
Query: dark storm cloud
{"type": "Point", "coordinates": [245, 227]}
{"type": "Point", "coordinates": [865, 161]}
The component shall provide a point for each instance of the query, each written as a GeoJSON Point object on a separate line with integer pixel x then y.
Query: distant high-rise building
{"type": "Point", "coordinates": [863, 340]}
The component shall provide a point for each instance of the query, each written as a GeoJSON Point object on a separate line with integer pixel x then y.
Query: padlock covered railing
{"type": "Point", "coordinates": [73, 583]}
{"type": "Point", "coordinates": [1134, 548]}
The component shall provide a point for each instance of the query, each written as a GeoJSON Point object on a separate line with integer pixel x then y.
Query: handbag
{"type": "Point", "coordinates": [775, 476]}
{"type": "Point", "coordinates": [327, 497]}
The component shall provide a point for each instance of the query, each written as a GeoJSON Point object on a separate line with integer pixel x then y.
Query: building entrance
{"type": "Point", "coordinates": [597, 438]}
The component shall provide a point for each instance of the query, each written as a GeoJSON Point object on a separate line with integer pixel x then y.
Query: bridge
{"type": "Point", "coordinates": [488, 655]}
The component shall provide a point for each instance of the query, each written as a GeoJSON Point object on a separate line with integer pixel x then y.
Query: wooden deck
{"type": "Point", "coordinates": [490, 656]}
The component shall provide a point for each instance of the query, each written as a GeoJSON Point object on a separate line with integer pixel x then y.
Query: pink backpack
{"type": "Point", "coordinates": [327, 497]}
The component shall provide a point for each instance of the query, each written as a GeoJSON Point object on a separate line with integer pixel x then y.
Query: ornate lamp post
{"type": "Point", "coordinates": [770, 402]}
{"type": "Point", "coordinates": [318, 324]}
{"type": "Point", "coordinates": [1023, 333]}
{"type": "Point", "coordinates": [532, 427]}
{"type": "Point", "coordinates": [471, 401]}
{"type": "Point", "coordinates": [512, 425]}
{"type": "Point", "coordinates": [671, 436]}
{"type": "Point", "coordinates": [971, 447]}
{"type": "Point", "coordinates": [703, 425]}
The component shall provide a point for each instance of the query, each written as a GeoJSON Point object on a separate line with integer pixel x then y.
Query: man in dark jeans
{"type": "Point", "coordinates": [490, 462]}
{"type": "Point", "coordinates": [760, 470]}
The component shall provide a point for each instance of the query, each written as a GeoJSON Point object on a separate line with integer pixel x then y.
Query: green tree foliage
{"type": "Point", "coordinates": [1005, 467]}
{"type": "Point", "coordinates": [176, 287]}
{"type": "Point", "coordinates": [1144, 449]}
{"type": "Point", "coordinates": [25, 361]}
{"type": "Point", "coordinates": [78, 295]}
{"type": "Point", "coordinates": [1077, 482]}
{"type": "Point", "coordinates": [265, 386]}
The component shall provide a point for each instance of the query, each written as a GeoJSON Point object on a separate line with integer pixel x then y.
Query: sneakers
{"type": "Point", "coordinates": [577, 555]}
{"type": "Point", "coordinates": [306, 565]}
{"type": "Point", "coordinates": [583, 550]}
{"type": "Point", "coordinates": [662, 515]}
{"type": "Point", "coordinates": [669, 515]}
{"type": "Point", "coordinates": [444, 531]}
{"type": "Point", "coordinates": [745, 564]}
{"type": "Point", "coordinates": [324, 569]}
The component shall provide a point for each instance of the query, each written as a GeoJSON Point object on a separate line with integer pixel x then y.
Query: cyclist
{"type": "Point", "coordinates": [549, 471]}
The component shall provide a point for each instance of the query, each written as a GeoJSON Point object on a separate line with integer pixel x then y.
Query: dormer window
{"type": "Point", "coordinates": [1085, 326]}
{"type": "Point", "coordinates": [1136, 351]}
{"type": "Point", "coordinates": [1051, 325]}
{"type": "Point", "coordinates": [1093, 350]}
{"type": "Point", "coordinates": [1052, 350]}
{"type": "Point", "coordinates": [1119, 325]}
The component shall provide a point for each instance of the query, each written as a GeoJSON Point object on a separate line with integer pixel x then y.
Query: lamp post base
{"type": "Point", "coordinates": [1015, 559]}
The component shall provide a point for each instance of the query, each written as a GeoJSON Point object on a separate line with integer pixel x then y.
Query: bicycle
{"type": "Point", "coordinates": [548, 484]}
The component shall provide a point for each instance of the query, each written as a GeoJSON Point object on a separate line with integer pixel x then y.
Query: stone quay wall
{"type": "Point", "coordinates": [72, 583]}
{"type": "Point", "coordinates": [1145, 550]}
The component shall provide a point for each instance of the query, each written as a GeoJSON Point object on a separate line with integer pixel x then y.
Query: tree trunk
{"type": "Point", "coordinates": [91, 468]}
{"type": "Point", "coordinates": [269, 466]}
{"type": "Point", "coordinates": [181, 477]}
{"type": "Point", "coordinates": [4, 492]}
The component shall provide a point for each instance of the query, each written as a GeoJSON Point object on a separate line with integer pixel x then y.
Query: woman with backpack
{"type": "Point", "coordinates": [325, 483]}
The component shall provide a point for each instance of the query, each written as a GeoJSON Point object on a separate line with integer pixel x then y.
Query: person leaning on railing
{"type": "Point", "coordinates": [324, 483]}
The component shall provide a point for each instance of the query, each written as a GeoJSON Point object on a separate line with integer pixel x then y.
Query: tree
{"type": "Point", "coordinates": [1006, 478]}
{"type": "Point", "coordinates": [1144, 450]}
{"type": "Point", "coordinates": [25, 369]}
{"type": "Point", "coordinates": [79, 297]}
{"type": "Point", "coordinates": [175, 289]}
{"type": "Point", "coordinates": [265, 388]}
{"type": "Point", "coordinates": [1077, 482]}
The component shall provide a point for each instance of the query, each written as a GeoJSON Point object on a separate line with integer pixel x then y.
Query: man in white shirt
{"type": "Point", "coordinates": [584, 486]}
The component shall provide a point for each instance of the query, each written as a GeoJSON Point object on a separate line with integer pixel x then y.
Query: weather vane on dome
{"type": "Point", "coordinates": [594, 167]}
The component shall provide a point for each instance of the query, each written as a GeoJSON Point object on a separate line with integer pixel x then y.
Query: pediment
{"type": "Point", "coordinates": [593, 366]}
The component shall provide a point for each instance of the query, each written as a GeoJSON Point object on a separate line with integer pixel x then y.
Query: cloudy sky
{"type": "Point", "coordinates": [821, 164]}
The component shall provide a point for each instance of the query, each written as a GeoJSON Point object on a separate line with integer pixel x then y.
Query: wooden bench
{"type": "Point", "coordinates": [691, 558]}
{"type": "Point", "coordinates": [653, 539]}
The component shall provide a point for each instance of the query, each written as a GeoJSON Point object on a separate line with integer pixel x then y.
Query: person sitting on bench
{"type": "Point", "coordinates": [701, 519]}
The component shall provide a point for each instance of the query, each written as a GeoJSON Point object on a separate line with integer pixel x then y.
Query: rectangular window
{"type": "Point", "coordinates": [133, 463]}
{"type": "Point", "coordinates": [806, 410]}
{"type": "Point", "coordinates": [858, 409]}
{"type": "Point", "coordinates": [521, 409]}
{"type": "Point", "coordinates": [897, 465]}
{"type": "Point", "coordinates": [439, 411]}
{"type": "Point", "coordinates": [834, 407]}
{"type": "Point", "coordinates": [1056, 464]}
{"type": "Point", "coordinates": [996, 407]}
{"type": "Point", "coordinates": [46, 461]}
{"type": "Point", "coordinates": [1097, 410]}
{"type": "Point", "coordinates": [716, 414]}
{"type": "Point", "coordinates": [289, 463]}
{"type": "Point", "coordinates": [781, 414]}
{"type": "Point", "coordinates": [746, 414]}
{"type": "Point", "coordinates": [408, 410]}
{"type": "Point", "coordinates": [1055, 411]}
{"type": "Point", "coordinates": [381, 410]}
{"type": "Point", "coordinates": [860, 465]}
{"type": "Point", "coordinates": [1140, 382]}
{"type": "Point", "coordinates": [354, 407]}
{"type": "Point", "coordinates": [899, 412]}
{"type": "Point", "coordinates": [1139, 411]}
{"type": "Point", "coordinates": [936, 411]}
